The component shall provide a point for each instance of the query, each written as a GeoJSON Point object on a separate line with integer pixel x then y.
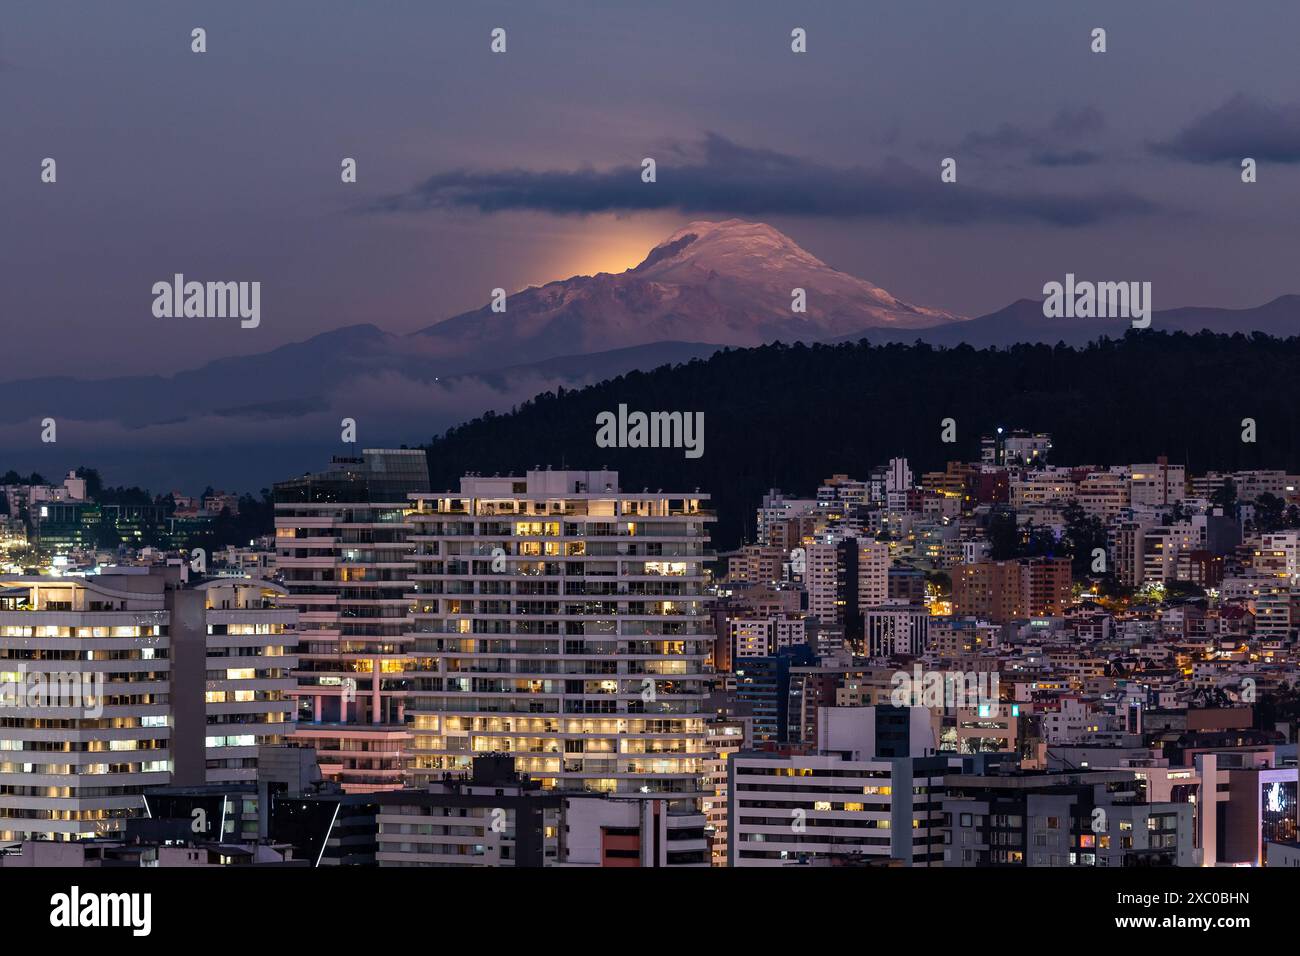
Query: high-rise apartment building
{"type": "Point", "coordinates": [1001, 591]}
{"type": "Point", "coordinates": [114, 682]}
{"type": "Point", "coordinates": [851, 801]}
{"type": "Point", "coordinates": [1015, 447]}
{"type": "Point", "coordinates": [834, 582]}
{"type": "Point", "coordinates": [897, 630]}
{"type": "Point", "coordinates": [1158, 484]}
{"type": "Point", "coordinates": [343, 552]}
{"type": "Point", "coordinates": [873, 573]}
{"type": "Point", "coordinates": [776, 509]}
{"type": "Point", "coordinates": [1104, 495]}
{"type": "Point", "coordinates": [1165, 547]}
{"type": "Point", "coordinates": [1096, 818]}
{"type": "Point", "coordinates": [1127, 555]}
{"type": "Point", "coordinates": [764, 636]}
{"type": "Point", "coordinates": [725, 737]}
{"type": "Point", "coordinates": [249, 697]}
{"type": "Point", "coordinates": [756, 564]}
{"type": "Point", "coordinates": [1288, 544]}
{"type": "Point", "coordinates": [1043, 486]}
{"type": "Point", "coordinates": [898, 484]}
{"type": "Point", "coordinates": [562, 620]}
{"type": "Point", "coordinates": [86, 718]}
{"type": "Point", "coordinates": [822, 581]}
{"type": "Point", "coordinates": [1045, 586]}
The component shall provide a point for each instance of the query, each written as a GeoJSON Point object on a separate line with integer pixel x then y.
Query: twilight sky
{"type": "Point", "coordinates": [478, 170]}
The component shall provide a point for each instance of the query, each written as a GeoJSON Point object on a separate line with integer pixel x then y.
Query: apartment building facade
{"type": "Point", "coordinates": [562, 620]}
{"type": "Point", "coordinates": [127, 679]}
{"type": "Point", "coordinates": [844, 803]}
{"type": "Point", "coordinates": [250, 690]}
{"type": "Point", "coordinates": [343, 551]}
{"type": "Point", "coordinates": [1001, 591]}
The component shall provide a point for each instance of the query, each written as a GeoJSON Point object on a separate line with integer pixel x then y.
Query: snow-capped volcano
{"type": "Point", "coordinates": [766, 261]}
{"type": "Point", "coordinates": [707, 285]}
{"type": "Point", "coordinates": [723, 283]}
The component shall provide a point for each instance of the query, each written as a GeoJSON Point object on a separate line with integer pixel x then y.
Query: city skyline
{"type": "Point", "coordinates": [1200, 565]}
{"type": "Point", "coordinates": [578, 436]}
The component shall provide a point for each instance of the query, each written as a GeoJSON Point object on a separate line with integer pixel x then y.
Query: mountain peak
{"type": "Point", "coordinates": [719, 245]}
{"type": "Point", "coordinates": [726, 283]}
{"type": "Point", "coordinates": [730, 229]}
{"type": "Point", "coordinates": [763, 266]}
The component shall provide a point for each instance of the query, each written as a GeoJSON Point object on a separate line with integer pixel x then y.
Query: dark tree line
{"type": "Point", "coordinates": [788, 416]}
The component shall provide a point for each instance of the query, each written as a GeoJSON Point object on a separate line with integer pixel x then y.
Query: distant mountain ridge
{"type": "Point", "coordinates": [1023, 322]}
{"type": "Point", "coordinates": [709, 285]}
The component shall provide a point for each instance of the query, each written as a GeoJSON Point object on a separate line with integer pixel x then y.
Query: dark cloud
{"type": "Point", "coordinates": [1243, 126]}
{"type": "Point", "coordinates": [1052, 145]}
{"type": "Point", "coordinates": [717, 175]}
{"type": "Point", "coordinates": [1074, 157]}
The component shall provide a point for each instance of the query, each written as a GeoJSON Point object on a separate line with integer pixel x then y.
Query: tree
{"type": "Point", "coordinates": [124, 496]}
{"type": "Point", "coordinates": [1039, 542]}
{"type": "Point", "coordinates": [1084, 533]}
{"type": "Point", "coordinates": [1183, 589]}
{"type": "Point", "coordinates": [1281, 705]}
{"type": "Point", "coordinates": [941, 580]}
{"type": "Point", "coordinates": [1269, 510]}
{"type": "Point", "coordinates": [94, 484]}
{"type": "Point", "coordinates": [1004, 535]}
{"type": "Point", "coordinates": [1225, 497]}
{"type": "Point", "coordinates": [106, 535]}
{"type": "Point", "coordinates": [24, 557]}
